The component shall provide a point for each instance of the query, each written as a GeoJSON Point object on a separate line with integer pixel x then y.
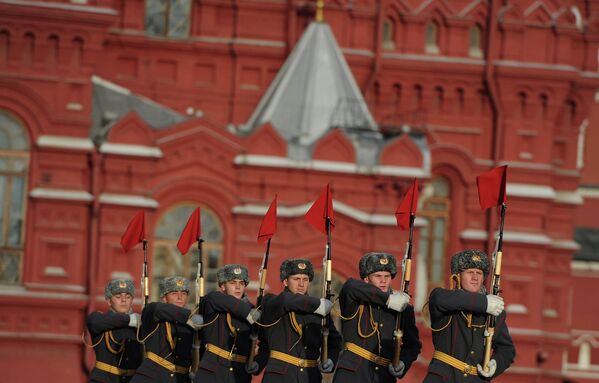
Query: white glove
{"type": "Point", "coordinates": [134, 319]}
{"type": "Point", "coordinates": [492, 367]}
{"type": "Point", "coordinates": [327, 367]}
{"type": "Point", "coordinates": [253, 316]}
{"type": "Point", "coordinates": [195, 321]}
{"type": "Point", "coordinates": [494, 304]}
{"type": "Point", "coordinates": [398, 301]}
{"type": "Point", "coordinates": [325, 307]}
{"type": "Point", "coordinates": [253, 368]}
{"type": "Point", "coordinates": [397, 372]}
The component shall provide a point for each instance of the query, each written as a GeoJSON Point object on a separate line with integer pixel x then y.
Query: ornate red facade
{"type": "Point", "coordinates": [484, 82]}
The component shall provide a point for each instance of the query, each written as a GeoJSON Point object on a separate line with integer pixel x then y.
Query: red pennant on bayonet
{"type": "Point", "coordinates": [491, 187]}
{"type": "Point", "coordinates": [191, 233]}
{"type": "Point", "coordinates": [268, 227]}
{"type": "Point", "coordinates": [320, 210]}
{"type": "Point", "coordinates": [135, 232]}
{"type": "Point", "coordinates": [408, 206]}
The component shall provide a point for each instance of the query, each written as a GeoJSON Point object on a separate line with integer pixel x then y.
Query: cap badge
{"type": "Point", "coordinates": [237, 270]}
{"type": "Point", "coordinates": [122, 284]}
{"type": "Point", "coordinates": [301, 266]}
{"type": "Point", "coordinates": [179, 283]}
{"type": "Point", "coordinates": [476, 258]}
{"type": "Point", "coordinates": [384, 261]}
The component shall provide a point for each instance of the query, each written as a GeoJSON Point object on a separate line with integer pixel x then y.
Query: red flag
{"type": "Point", "coordinates": [135, 232]}
{"type": "Point", "coordinates": [191, 232]}
{"type": "Point", "coordinates": [268, 227]}
{"type": "Point", "coordinates": [407, 206]}
{"type": "Point", "coordinates": [491, 187]}
{"type": "Point", "coordinates": [321, 209]}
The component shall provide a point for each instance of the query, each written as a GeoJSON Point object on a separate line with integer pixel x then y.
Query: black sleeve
{"type": "Point", "coordinates": [275, 306]}
{"type": "Point", "coordinates": [504, 351]}
{"type": "Point", "coordinates": [218, 302]}
{"type": "Point", "coordinates": [445, 300]}
{"type": "Point", "coordinates": [262, 355]}
{"type": "Point", "coordinates": [335, 341]}
{"type": "Point", "coordinates": [364, 293]}
{"type": "Point", "coordinates": [164, 312]}
{"type": "Point", "coordinates": [98, 322]}
{"type": "Point", "coordinates": [410, 344]}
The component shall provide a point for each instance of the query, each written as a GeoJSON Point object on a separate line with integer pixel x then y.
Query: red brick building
{"type": "Point", "coordinates": [112, 106]}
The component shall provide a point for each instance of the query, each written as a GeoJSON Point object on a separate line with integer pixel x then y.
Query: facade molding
{"type": "Point", "coordinates": [61, 194]}
{"type": "Point", "coordinates": [530, 191]}
{"type": "Point", "coordinates": [130, 150]}
{"type": "Point", "coordinates": [66, 7]}
{"type": "Point", "coordinates": [128, 200]}
{"type": "Point", "coordinates": [589, 192]}
{"type": "Point", "coordinates": [65, 142]}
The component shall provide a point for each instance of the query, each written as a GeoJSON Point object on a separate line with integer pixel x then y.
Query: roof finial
{"type": "Point", "coordinates": [319, 10]}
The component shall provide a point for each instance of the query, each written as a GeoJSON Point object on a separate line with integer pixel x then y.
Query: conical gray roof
{"type": "Point", "coordinates": [313, 92]}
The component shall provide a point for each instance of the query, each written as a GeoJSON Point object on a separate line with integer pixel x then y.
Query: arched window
{"type": "Point", "coordinates": [388, 34]}
{"type": "Point", "coordinates": [460, 100]}
{"type": "Point", "coordinates": [439, 99]}
{"type": "Point", "coordinates": [53, 46]}
{"type": "Point", "coordinates": [431, 35]}
{"type": "Point", "coordinates": [396, 98]}
{"type": "Point", "coordinates": [168, 261]}
{"type": "Point", "coordinates": [417, 97]}
{"type": "Point", "coordinates": [544, 101]}
{"type": "Point", "coordinates": [169, 18]}
{"type": "Point", "coordinates": [584, 356]}
{"type": "Point", "coordinates": [522, 104]}
{"type": "Point", "coordinates": [475, 49]}
{"type": "Point", "coordinates": [28, 49]}
{"type": "Point", "coordinates": [77, 55]}
{"type": "Point", "coordinates": [433, 236]}
{"type": "Point", "coordinates": [14, 167]}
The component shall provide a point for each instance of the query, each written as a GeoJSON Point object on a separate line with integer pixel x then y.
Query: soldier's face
{"type": "Point", "coordinates": [177, 298]}
{"type": "Point", "coordinates": [121, 303]}
{"type": "Point", "coordinates": [380, 279]}
{"type": "Point", "coordinates": [235, 288]}
{"type": "Point", "coordinates": [472, 280]}
{"type": "Point", "coordinates": [297, 283]}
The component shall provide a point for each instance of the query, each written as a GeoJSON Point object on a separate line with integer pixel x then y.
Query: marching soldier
{"type": "Point", "coordinates": [293, 324]}
{"type": "Point", "coordinates": [369, 309]}
{"type": "Point", "coordinates": [225, 335]}
{"type": "Point", "coordinates": [458, 322]}
{"type": "Point", "coordinates": [118, 354]}
{"type": "Point", "coordinates": [167, 331]}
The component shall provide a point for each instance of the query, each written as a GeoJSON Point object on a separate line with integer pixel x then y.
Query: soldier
{"type": "Point", "coordinates": [118, 354]}
{"type": "Point", "coordinates": [225, 335]}
{"type": "Point", "coordinates": [167, 330]}
{"type": "Point", "coordinates": [369, 309]}
{"type": "Point", "coordinates": [458, 322]}
{"type": "Point", "coordinates": [293, 324]}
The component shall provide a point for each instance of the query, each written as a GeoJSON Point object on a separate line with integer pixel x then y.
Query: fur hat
{"type": "Point", "coordinates": [233, 271]}
{"type": "Point", "coordinates": [470, 259]}
{"type": "Point", "coordinates": [117, 286]}
{"type": "Point", "coordinates": [376, 261]}
{"type": "Point", "coordinates": [170, 284]}
{"type": "Point", "coordinates": [296, 266]}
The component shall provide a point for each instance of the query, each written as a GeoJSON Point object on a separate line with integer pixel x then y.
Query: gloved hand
{"type": "Point", "coordinates": [253, 316]}
{"type": "Point", "coordinates": [325, 307]}
{"type": "Point", "coordinates": [327, 367]}
{"type": "Point", "coordinates": [492, 367]}
{"type": "Point", "coordinates": [397, 372]}
{"type": "Point", "coordinates": [253, 369]}
{"type": "Point", "coordinates": [134, 319]}
{"type": "Point", "coordinates": [398, 301]}
{"type": "Point", "coordinates": [495, 304]}
{"type": "Point", "coordinates": [195, 321]}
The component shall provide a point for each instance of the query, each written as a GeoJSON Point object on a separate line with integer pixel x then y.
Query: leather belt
{"type": "Point", "coordinates": [166, 364]}
{"type": "Point", "coordinates": [292, 359]}
{"type": "Point", "coordinates": [114, 370]}
{"type": "Point", "coordinates": [455, 363]}
{"type": "Point", "coordinates": [362, 352]}
{"type": "Point", "coordinates": [225, 354]}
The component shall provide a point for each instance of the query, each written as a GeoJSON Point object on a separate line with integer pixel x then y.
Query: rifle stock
{"type": "Point", "coordinates": [326, 294]}
{"type": "Point", "coordinates": [145, 286]}
{"type": "Point", "coordinates": [195, 363]}
{"type": "Point", "coordinates": [405, 287]}
{"type": "Point", "coordinates": [255, 328]}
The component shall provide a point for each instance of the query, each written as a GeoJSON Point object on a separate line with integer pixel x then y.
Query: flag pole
{"type": "Point", "coordinates": [326, 292]}
{"type": "Point", "coordinates": [144, 275]}
{"type": "Point", "coordinates": [255, 328]}
{"type": "Point", "coordinates": [199, 295]}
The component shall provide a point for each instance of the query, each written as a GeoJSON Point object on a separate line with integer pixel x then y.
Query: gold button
{"type": "Point", "coordinates": [474, 329]}
{"type": "Point", "coordinates": [376, 368]}
{"type": "Point", "coordinates": [465, 375]}
{"type": "Point", "coordinates": [305, 347]}
{"type": "Point", "coordinates": [230, 368]}
{"type": "Point", "coordinates": [472, 352]}
{"type": "Point", "coordinates": [172, 375]}
{"type": "Point", "coordinates": [237, 328]}
{"type": "Point", "coordinates": [301, 369]}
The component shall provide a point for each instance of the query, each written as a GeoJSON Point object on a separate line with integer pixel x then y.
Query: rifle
{"type": "Point", "coordinates": [405, 287]}
{"type": "Point", "coordinates": [496, 289]}
{"type": "Point", "coordinates": [199, 295]}
{"type": "Point", "coordinates": [326, 293]}
{"type": "Point", "coordinates": [145, 287]}
{"type": "Point", "coordinates": [255, 327]}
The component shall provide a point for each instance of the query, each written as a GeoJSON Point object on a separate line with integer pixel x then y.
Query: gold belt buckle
{"type": "Point", "coordinates": [303, 363]}
{"type": "Point", "coordinates": [378, 359]}
{"type": "Point", "coordinates": [467, 368]}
